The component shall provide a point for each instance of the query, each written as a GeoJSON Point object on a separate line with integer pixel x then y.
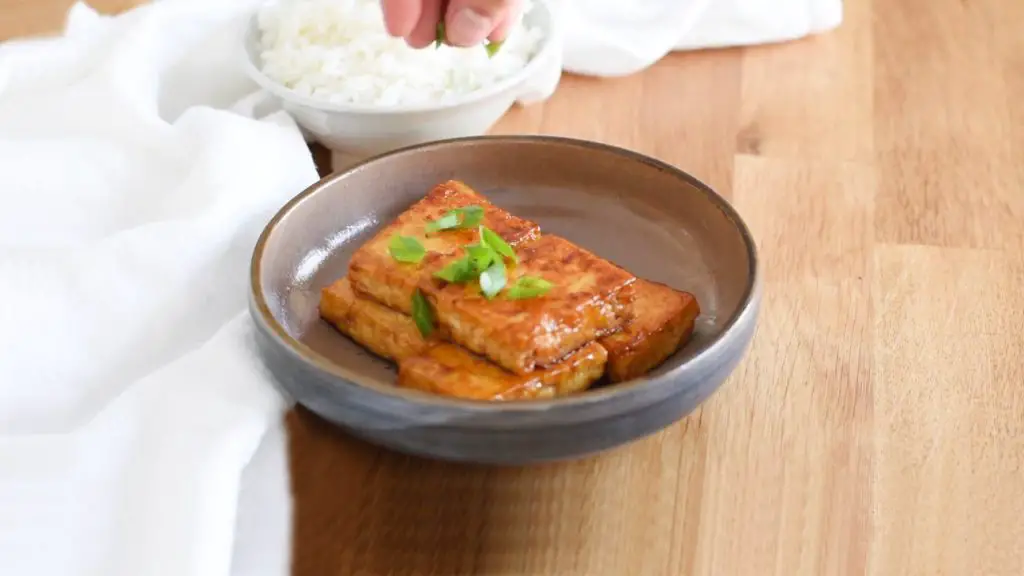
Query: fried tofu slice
{"type": "Point", "coordinates": [663, 320]}
{"type": "Point", "coordinates": [589, 298]}
{"type": "Point", "coordinates": [385, 332]}
{"type": "Point", "coordinates": [447, 369]}
{"type": "Point", "coordinates": [450, 370]}
{"type": "Point", "coordinates": [375, 273]}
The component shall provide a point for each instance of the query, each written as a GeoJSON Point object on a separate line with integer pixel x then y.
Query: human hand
{"type": "Point", "coordinates": [467, 22]}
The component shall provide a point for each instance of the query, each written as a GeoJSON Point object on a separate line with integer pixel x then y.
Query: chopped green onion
{"type": "Point", "coordinates": [497, 243]}
{"type": "Point", "coordinates": [471, 216]}
{"type": "Point", "coordinates": [493, 279]}
{"type": "Point", "coordinates": [528, 287]}
{"type": "Point", "coordinates": [406, 249]}
{"type": "Point", "coordinates": [482, 256]}
{"type": "Point", "coordinates": [446, 222]}
{"type": "Point", "coordinates": [422, 314]}
{"type": "Point", "coordinates": [439, 36]}
{"type": "Point", "coordinates": [465, 217]}
{"type": "Point", "coordinates": [459, 271]}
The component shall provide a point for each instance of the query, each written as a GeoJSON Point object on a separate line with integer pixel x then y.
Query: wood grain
{"type": "Point", "coordinates": [39, 17]}
{"type": "Point", "coordinates": [877, 426]}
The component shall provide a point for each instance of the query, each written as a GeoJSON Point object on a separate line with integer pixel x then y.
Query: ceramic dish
{"type": "Point", "coordinates": [650, 218]}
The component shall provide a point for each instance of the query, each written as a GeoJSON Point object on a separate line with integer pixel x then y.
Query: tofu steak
{"type": "Point", "coordinates": [434, 366]}
{"type": "Point", "coordinates": [663, 320]}
{"type": "Point", "coordinates": [383, 331]}
{"type": "Point", "coordinates": [589, 298]}
{"type": "Point", "coordinates": [449, 370]}
{"type": "Point", "coordinates": [375, 273]}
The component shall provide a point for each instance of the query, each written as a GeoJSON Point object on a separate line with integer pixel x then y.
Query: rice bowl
{"type": "Point", "coordinates": [339, 52]}
{"type": "Point", "coordinates": [353, 107]}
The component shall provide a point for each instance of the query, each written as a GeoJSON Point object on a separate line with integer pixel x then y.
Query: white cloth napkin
{"type": "Point", "coordinates": [618, 38]}
{"type": "Point", "coordinates": [130, 398]}
{"type": "Point", "coordinates": [139, 435]}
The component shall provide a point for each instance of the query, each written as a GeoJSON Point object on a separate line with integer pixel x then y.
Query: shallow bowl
{"type": "Point", "coordinates": [651, 218]}
{"type": "Point", "coordinates": [359, 131]}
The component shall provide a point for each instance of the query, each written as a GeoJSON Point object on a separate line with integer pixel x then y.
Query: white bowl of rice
{"type": "Point", "coordinates": [358, 91]}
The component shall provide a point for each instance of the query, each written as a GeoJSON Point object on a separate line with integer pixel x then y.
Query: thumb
{"type": "Point", "coordinates": [469, 22]}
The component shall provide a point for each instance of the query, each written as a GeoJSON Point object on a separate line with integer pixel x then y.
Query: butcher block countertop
{"type": "Point", "coordinates": [877, 425]}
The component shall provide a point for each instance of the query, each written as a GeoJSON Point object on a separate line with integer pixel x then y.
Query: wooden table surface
{"type": "Point", "coordinates": [877, 425]}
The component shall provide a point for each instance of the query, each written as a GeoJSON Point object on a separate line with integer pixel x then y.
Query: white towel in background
{"type": "Point", "coordinates": [138, 433]}
{"type": "Point", "coordinates": [617, 38]}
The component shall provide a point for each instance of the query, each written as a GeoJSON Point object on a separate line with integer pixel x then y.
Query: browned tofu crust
{"type": "Point", "coordinates": [383, 331]}
{"type": "Point", "coordinates": [596, 320]}
{"type": "Point", "coordinates": [590, 298]}
{"type": "Point", "coordinates": [450, 370]}
{"type": "Point", "coordinates": [374, 273]}
{"type": "Point", "coordinates": [663, 321]}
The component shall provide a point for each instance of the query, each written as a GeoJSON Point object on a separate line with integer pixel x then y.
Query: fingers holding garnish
{"type": "Point", "coordinates": [401, 16]}
{"type": "Point", "coordinates": [470, 22]}
{"type": "Point", "coordinates": [462, 23]}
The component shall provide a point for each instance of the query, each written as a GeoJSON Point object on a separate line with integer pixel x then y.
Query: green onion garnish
{"type": "Point", "coordinates": [406, 249]}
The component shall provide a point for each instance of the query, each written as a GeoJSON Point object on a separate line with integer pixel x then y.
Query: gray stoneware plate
{"type": "Point", "coordinates": [652, 219]}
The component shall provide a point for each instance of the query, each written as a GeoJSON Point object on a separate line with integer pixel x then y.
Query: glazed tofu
{"type": "Point", "coordinates": [589, 297]}
{"type": "Point", "coordinates": [663, 320]}
{"type": "Point", "coordinates": [450, 370]}
{"type": "Point", "coordinates": [375, 273]}
{"type": "Point", "coordinates": [385, 332]}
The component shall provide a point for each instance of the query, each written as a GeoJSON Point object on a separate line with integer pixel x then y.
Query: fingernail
{"type": "Point", "coordinates": [468, 28]}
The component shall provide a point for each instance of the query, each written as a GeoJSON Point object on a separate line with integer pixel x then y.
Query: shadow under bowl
{"type": "Point", "coordinates": [653, 219]}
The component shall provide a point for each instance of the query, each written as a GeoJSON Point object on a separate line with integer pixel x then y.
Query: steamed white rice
{"type": "Point", "coordinates": [339, 51]}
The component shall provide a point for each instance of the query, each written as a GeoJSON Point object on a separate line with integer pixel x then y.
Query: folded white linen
{"type": "Point", "coordinates": [130, 397]}
{"type": "Point", "coordinates": [618, 38]}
